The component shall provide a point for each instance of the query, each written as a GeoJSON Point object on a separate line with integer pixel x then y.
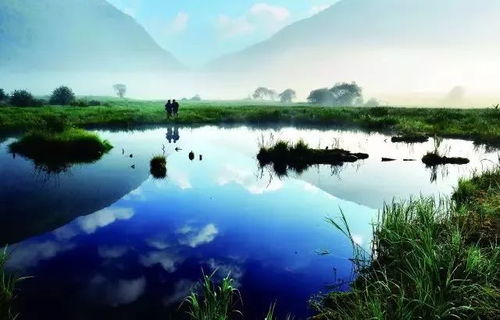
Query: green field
{"type": "Point", "coordinates": [480, 125]}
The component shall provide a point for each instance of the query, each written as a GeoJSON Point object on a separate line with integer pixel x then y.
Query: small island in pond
{"type": "Point", "coordinates": [283, 155]}
{"type": "Point", "coordinates": [58, 150]}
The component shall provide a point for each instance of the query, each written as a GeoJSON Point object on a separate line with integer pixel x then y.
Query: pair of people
{"type": "Point", "coordinates": [172, 108]}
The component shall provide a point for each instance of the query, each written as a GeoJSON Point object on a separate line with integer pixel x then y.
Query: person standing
{"type": "Point", "coordinates": [175, 106]}
{"type": "Point", "coordinates": [168, 108]}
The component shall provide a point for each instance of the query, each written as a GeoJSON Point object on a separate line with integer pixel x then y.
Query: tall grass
{"type": "Point", "coordinates": [428, 260]}
{"type": "Point", "coordinates": [8, 284]}
{"type": "Point", "coordinates": [214, 301]}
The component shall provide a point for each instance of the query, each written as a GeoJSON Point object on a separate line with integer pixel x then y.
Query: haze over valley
{"type": "Point", "coordinates": [410, 52]}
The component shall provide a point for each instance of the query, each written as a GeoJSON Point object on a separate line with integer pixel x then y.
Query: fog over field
{"type": "Point", "coordinates": [403, 52]}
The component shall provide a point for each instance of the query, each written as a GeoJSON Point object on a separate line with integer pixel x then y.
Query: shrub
{"type": "Point", "coordinates": [62, 96]}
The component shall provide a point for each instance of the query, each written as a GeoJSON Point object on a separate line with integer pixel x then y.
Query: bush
{"type": "Point", "coordinates": [22, 98]}
{"type": "Point", "coordinates": [62, 96]}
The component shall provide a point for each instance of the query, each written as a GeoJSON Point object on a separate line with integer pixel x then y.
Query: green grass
{"type": "Point", "coordinates": [158, 166]}
{"type": "Point", "coordinates": [283, 155]}
{"type": "Point", "coordinates": [214, 301]}
{"type": "Point", "coordinates": [480, 125]}
{"type": "Point", "coordinates": [56, 150]}
{"type": "Point", "coordinates": [8, 284]}
{"type": "Point", "coordinates": [430, 260]}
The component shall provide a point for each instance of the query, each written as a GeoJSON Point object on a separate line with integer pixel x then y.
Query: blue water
{"type": "Point", "coordinates": [108, 241]}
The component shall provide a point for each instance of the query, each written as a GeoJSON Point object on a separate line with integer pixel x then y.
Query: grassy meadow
{"type": "Point", "coordinates": [480, 125]}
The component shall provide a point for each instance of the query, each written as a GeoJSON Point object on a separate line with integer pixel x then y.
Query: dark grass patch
{"type": "Point", "coordinates": [434, 159]}
{"type": "Point", "coordinates": [411, 138]}
{"type": "Point", "coordinates": [158, 167]}
{"type": "Point", "coordinates": [283, 156]}
{"type": "Point", "coordinates": [57, 151]}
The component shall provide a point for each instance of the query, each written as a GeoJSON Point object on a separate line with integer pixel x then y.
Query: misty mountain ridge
{"type": "Point", "coordinates": [76, 35]}
{"type": "Point", "coordinates": [400, 24]}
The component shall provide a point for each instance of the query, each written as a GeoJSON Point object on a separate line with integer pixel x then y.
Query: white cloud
{"type": "Point", "coordinates": [29, 254]}
{"type": "Point", "coordinates": [104, 217]}
{"type": "Point", "coordinates": [181, 180]}
{"type": "Point", "coordinates": [195, 238]}
{"type": "Point", "coordinates": [159, 244]}
{"type": "Point", "coordinates": [318, 8]}
{"type": "Point", "coordinates": [118, 292]}
{"type": "Point", "coordinates": [269, 13]}
{"type": "Point", "coordinates": [179, 23]}
{"type": "Point", "coordinates": [224, 269]}
{"type": "Point", "coordinates": [182, 288]}
{"type": "Point", "coordinates": [248, 180]}
{"type": "Point", "coordinates": [231, 27]}
{"type": "Point", "coordinates": [111, 251]}
{"type": "Point", "coordinates": [358, 239]}
{"type": "Point", "coordinates": [167, 260]}
{"type": "Point", "coordinates": [260, 17]}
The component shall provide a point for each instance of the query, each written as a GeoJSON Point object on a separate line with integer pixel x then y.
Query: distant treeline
{"type": "Point", "coordinates": [62, 96]}
{"type": "Point", "coordinates": [341, 94]}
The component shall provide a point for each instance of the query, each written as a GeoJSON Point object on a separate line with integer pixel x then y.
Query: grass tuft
{"type": "Point", "coordinates": [56, 150]}
{"type": "Point", "coordinates": [158, 166]}
{"type": "Point", "coordinates": [213, 301]}
{"type": "Point", "coordinates": [8, 284]}
{"type": "Point", "coordinates": [283, 156]}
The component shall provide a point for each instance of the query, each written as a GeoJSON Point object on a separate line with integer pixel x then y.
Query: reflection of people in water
{"type": "Point", "coordinates": [173, 134]}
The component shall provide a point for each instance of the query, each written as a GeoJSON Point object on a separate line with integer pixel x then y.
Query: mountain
{"type": "Point", "coordinates": [367, 40]}
{"type": "Point", "coordinates": [75, 35]}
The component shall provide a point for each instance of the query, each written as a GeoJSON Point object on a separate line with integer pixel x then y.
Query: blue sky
{"type": "Point", "coordinates": [196, 31]}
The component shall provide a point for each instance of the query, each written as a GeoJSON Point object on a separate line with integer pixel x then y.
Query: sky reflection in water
{"type": "Point", "coordinates": [140, 256]}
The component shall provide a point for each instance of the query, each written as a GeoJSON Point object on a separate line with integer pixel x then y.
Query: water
{"type": "Point", "coordinates": [107, 241]}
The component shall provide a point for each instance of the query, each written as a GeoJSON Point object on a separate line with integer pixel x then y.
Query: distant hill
{"type": "Point", "coordinates": [73, 35]}
{"type": "Point", "coordinates": [353, 35]}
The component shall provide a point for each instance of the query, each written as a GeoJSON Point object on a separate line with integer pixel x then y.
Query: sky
{"type": "Point", "coordinates": [197, 31]}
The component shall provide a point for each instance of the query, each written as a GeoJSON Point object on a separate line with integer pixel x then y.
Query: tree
{"type": "Point", "coordinates": [62, 96]}
{"type": "Point", "coordinates": [262, 93]}
{"type": "Point", "coordinates": [347, 94]}
{"type": "Point", "coordinates": [3, 95]}
{"type": "Point", "coordinates": [196, 98]}
{"type": "Point", "coordinates": [287, 96]}
{"type": "Point", "coordinates": [321, 96]}
{"type": "Point", "coordinates": [342, 94]}
{"type": "Point", "coordinates": [22, 98]}
{"type": "Point", "coordinates": [120, 89]}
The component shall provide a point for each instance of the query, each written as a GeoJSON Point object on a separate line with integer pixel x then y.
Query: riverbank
{"type": "Point", "coordinates": [429, 260]}
{"type": "Point", "coordinates": [479, 125]}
